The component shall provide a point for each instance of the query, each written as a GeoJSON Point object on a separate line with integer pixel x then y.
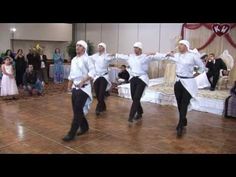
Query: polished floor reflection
{"type": "Point", "coordinates": [37, 125]}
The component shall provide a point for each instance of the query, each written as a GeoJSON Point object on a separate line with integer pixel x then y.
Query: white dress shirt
{"type": "Point", "coordinates": [101, 63]}
{"type": "Point", "coordinates": [184, 67]}
{"type": "Point", "coordinates": [139, 64]}
{"type": "Point", "coordinates": [81, 67]}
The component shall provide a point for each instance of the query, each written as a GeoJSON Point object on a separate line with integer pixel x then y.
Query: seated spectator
{"type": "Point", "coordinates": [31, 82]}
{"type": "Point", "coordinates": [123, 75]}
{"type": "Point", "coordinates": [214, 66]}
{"type": "Point", "coordinates": [230, 104]}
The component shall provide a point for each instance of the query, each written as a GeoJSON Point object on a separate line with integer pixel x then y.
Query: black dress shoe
{"type": "Point", "coordinates": [138, 117]}
{"type": "Point", "coordinates": [81, 132]}
{"type": "Point", "coordinates": [178, 126]}
{"type": "Point", "coordinates": [212, 89]}
{"type": "Point", "coordinates": [179, 132]}
{"type": "Point", "coordinates": [130, 119]}
{"type": "Point", "coordinates": [97, 113]}
{"type": "Point", "coordinates": [104, 109]}
{"type": "Point", "coordinates": [68, 138]}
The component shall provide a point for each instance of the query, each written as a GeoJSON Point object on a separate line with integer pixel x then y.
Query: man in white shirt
{"type": "Point", "coordinates": [101, 81]}
{"type": "Point", "coordinates": [81, 73]}
{"type": "Point", "coordinates": [138, 63]}
{"type": "Point", "coordinates": [185, 87]}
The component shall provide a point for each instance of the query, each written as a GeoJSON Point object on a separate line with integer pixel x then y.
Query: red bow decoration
{"type": "Point", "coordinates": [218, 30]}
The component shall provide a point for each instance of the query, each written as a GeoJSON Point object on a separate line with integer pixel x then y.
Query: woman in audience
{"type": "Point", "coordinates": [20, 67]}
{"type": "Point", "coordinates": [58, 66]}
{"type": "Point", "coordinates": [10, 54]}
{"type": "Point", "coordinates": [230, 103]}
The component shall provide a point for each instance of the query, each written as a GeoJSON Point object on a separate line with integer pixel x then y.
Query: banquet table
{"type": "Point", "coordinates": [66, 70]}
{"type": "Point", "coordinates": [112, 72]}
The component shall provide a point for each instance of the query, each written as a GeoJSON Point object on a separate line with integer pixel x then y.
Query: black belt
{"type": "Point", "coordinates": [77, 86]}
{"type": "Point", "coordinates": [182, 77]}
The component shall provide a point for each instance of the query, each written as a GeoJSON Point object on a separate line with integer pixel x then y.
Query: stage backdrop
{"type": "Point", "coordinates": [216, 37]}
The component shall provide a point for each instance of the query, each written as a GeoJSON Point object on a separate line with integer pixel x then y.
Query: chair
{"type": "Point", "coordinates": [224, 79]}
{"type": "Point", "coordinates": [169, 75]}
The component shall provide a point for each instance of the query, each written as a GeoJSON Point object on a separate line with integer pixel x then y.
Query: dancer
{"type": "Point", "coordinates": [138, 63]}
{"type": "Point", "coordinates": [81, 73]}
{"type": "Point", "coordinates": [185, 87]}
{"type": "Point", "coordinates": [101, 81]}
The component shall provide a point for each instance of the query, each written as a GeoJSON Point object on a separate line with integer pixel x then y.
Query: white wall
{"type": "Point", "coordinates": [128, 35]}
{"type": "Point", "coordinates": [80, 31]}
{"type": "Point", "coordinates": [169, 33]}
{"type": "Point", "coordinates": [110, 35]}
{"type": "Point", "coordinates": [120, 37]}
{"type": "Point", "coordinates": [26, 33]}
{"type": "Point", "coordinates": [149, 36]}
{"type": "Point", "coordinates": [93, 32]}
{"type": "Point", "coordinates": [43, 31]}
{"type": "Point", "coordinates": [4, 37]}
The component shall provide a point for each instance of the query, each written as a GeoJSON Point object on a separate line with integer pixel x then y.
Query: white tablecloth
{"type": "Point", "coordinates": [66, 71]}
{"type": "Point", "coordinates": [202, 103]}
{"type": "Point", "coordinates": [112, 72]}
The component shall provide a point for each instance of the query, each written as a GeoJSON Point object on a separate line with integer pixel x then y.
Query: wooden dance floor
{"type": "Point", "coordinates": [37, 125]}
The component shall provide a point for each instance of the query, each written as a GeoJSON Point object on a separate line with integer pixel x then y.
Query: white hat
{"type": "Point", "coordinates": [83, 43]}
{"type": "Point", "coordinates": [103, 45]}
{"type": "Point", "coordinates": [138, 44]}
{"type": "Point", "coordinates": [186, 43]}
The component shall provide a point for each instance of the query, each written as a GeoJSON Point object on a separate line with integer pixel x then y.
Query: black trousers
{"type": "Point", "coordinates": [100, 86]}
{"type": "Point", "coordinates": [19, 77]}
{"type": "Point", "coordinates": [183, 99]}
{"type": "Point", "coordinates": [79, 98]}
{"type": "Point", "coordinates": [137, 87]}
{"type": "Point", "coordinates": [42, 74]}
{"type": "Point", "coordinates": [215, 76]}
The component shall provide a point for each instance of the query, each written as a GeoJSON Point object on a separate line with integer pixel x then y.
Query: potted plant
{"type": "Point", "coordinates": [71, 49]}
{"type": "Point", "coordinates": [90, 48]}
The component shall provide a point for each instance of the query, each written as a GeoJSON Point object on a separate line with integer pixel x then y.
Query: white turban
{"type": "Point", "coordinates": [83, 43]}
{"type": "Point", "coordinates": [186, 43]}
{"type": "Point", "coordinates": [103, 45]}
{"type": "Point", "coordinates": [138, 44]}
